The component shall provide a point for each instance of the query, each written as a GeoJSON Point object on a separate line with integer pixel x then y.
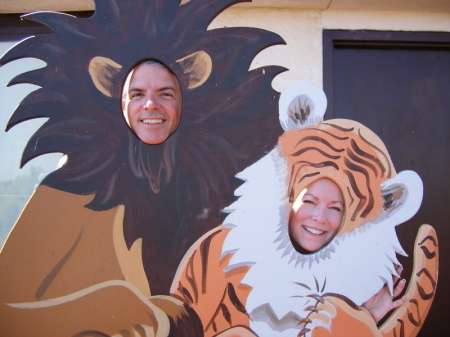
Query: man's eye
{"type": "Point", "coordinates": [136, 95]}
{"type": "Point", "coordinates": [167, 94]}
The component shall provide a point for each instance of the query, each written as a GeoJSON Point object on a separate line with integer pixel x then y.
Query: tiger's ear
{"type": "Point", "coordinates": [402, 196]}
{"type": "Point", "coordinates": [103, 72]}
{"type": "Point", "coordinates": [302, 104]}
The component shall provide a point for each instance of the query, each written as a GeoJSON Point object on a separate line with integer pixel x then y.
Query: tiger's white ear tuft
{"type": "Point", "coordinates": [302, 104]}
{"type": "Point", "coordinates": [402, 196]}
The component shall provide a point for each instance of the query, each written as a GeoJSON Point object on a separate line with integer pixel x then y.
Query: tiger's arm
{"type": "Point", "coordinates": [337, 314]}
{"type": "Point", "coordinates": [409, 318]}
{"type": "Point", "coordinates": [217, 296]}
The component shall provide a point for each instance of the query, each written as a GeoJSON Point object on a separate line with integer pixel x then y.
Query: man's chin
{"type": "Point", "coordinates": [154, 141]}
{"type": "Point", "coordinates": [154, 138]}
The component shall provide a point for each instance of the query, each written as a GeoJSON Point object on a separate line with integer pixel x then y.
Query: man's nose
{"type": "Point", "coordinates": [151, 103]}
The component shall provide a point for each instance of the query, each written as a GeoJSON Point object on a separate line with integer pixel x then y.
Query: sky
{"type": "Point", "coordinates": [13, 142]}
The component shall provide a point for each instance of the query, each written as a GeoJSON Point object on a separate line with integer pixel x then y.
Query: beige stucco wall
{"type": "Point", "coordinates": [302, 31]}
{"type": "Point", "coordinates": [300, 27]}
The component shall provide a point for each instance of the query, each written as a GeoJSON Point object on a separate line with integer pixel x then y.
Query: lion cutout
{"type": "Point", "coordinates": [95, 249]}
{"type": "Point", "coordinates": [246, 278]}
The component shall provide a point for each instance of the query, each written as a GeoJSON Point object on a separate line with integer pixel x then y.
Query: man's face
{"type": "Point", "coordinates": [152, 106]}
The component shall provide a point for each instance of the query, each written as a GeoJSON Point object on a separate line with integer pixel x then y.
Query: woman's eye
{"type": "Point", "coordinates": [336, 209]}
{"type": "Point", "coordinates": [308, 202]}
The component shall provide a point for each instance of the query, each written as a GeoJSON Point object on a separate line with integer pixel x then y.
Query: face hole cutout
{"type": "Point", "coordinates": [152, 101]}
{"type": "Point", "coordinates": [316, 216]}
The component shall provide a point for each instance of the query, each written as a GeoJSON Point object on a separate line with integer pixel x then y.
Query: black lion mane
{"type": "Point", "coordinates": [172, 192]}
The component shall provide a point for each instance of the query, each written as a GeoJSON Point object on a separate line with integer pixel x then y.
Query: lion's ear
{"type": "Point", "coordinates": [103, 72]}
{"type": "Point", "coordinates": [197, 68]}
{"type": "Point", "coordinates": [402, 196]}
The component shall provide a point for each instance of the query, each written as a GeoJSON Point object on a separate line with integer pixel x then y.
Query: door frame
{"type": "Point", "coordinates": [335, 39]}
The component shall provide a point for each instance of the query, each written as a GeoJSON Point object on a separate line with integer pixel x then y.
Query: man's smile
{"type": "Point", "coordinates": [153, 121]}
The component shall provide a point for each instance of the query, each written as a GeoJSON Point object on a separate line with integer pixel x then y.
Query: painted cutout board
{"type": "Point", "coordinates": [194, 233]}
{"type": "Point", "coordinates": [251, 266]}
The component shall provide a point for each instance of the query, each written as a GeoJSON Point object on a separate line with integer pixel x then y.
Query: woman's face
{"type": "Point", "coordinates": [316, 216]}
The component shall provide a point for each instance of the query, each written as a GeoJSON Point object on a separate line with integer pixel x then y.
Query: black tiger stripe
{"type": "Point", "coordinates": [212, 321]}
{"type": "Point", "coordinates": [366, 155]}
{"type": "Point", "coordinates": [429, 237]}
{"type": "Point", "coordinates": [352, 200]}
{"type": "Point", "coordinates": [369, 198]}
{"type": "Point", "coordinates": [225, 312]}
{"type": "Point", "coordinates": [187, 297]}
{"type": "Point", "coordinates": [416, 322]}
{"type": "Point", "coordinates": [382, 153]}
{"type": "Point", "coordinates": [423, 294]}
{"type": "Point", "coordinates": [235, 299]}
{"type": "Point", "coordinates": [321, 140]}
{"type": "Point", "coordinates": [204, 254]}
{"type": "Point", "coordinates": [190, 277]}
{"type": "Point", "coordinates": [429, 255]}
{"type": "Point", "coordinates": [402, 329]}
{"type": "Point", "coordinates": [362, 161]}
{"type": "Point", "coordinates": [362, 198]}
{"type": "Point", "coordinates": [339, 127]}
{"type": "Point", "coordinates": [313, 148]}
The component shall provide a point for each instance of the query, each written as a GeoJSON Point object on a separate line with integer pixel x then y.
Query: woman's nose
{"type": "Point", "coordinates": [319, 214]}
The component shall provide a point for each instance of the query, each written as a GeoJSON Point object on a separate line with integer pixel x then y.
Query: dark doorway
{"type": "Point", "coordinates": [398, 84]}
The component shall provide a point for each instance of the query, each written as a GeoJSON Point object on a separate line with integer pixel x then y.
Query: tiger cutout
{"type": "Point", "coordinates": [245, 278]}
